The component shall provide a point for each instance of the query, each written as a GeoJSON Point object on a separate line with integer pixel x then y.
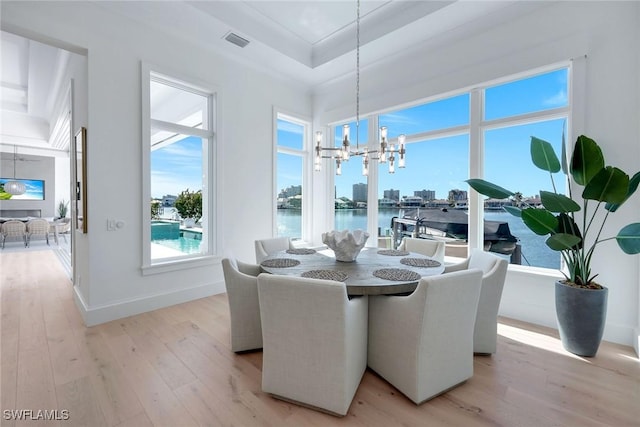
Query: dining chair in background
{"type": "Point", "coordinates": [422, 344]}
{"type": "Point", "coordinates": [494, 273]}
{"type": "Point", "coordinates": [315, 341]}
{"type": "Point", "coordinates": [13, 229]}
{"type": "Point", "coordinates": [431, 248]}
{"type": "Point", "coordinates": [241, 282]}
{"type": "Point", "coordinates": [266, 247]}
{"type": "Point", "coordinates": [37, 228]}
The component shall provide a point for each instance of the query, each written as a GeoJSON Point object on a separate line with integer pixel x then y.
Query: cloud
{"type": "Point", "coordinates": [557, 100]}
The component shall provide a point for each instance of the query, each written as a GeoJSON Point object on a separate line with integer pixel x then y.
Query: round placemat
{"type": "Point", "coordinates": [301, 251]}
{"type": "Point", "coordinates": [280, 262]}
{"type": "Point", "coordinates": [420, 262]}
{"type": "Point", "coordinates": [397, 274]}
{"type": "Point", "coordinates": [393, 252]}
{"type": "Point", "coordinates": [338, 276]}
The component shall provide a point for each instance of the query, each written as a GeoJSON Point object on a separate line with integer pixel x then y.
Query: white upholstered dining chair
{"type": "Point", "coordinates": [422, 344]}
{"type": "Point", "coordinates": [431, 248]}
{"type": "Point", "coordinates": [494, 273]}
{"type": "Point", "coordinates": [266, 247]}
{"type": "Point", "coordinates": [315, 341]}
{"type": "Point", "coordinates": [241, 282]}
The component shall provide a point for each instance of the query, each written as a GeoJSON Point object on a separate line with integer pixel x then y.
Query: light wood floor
{"type": "Point", "coordinates": [173, 367]}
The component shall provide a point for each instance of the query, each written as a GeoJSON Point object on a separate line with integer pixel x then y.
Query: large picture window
{"type": "Point", "coordinates": [445, 146]}
{"type": "Point", "coordinates": [179, 154]}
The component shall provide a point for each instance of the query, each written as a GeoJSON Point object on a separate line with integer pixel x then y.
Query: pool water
{"type": "Point", "coordinates": [182, 244]}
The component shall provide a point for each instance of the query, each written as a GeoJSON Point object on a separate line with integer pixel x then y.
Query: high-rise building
{"type": "Point", "coordinates": [456, 195]}
{"type": "Point", "coordinates": [392, 194]}
{"type": "Point", "coordinates": [360, 192]}
{"type": "Point", "coordinates": [425, 194]}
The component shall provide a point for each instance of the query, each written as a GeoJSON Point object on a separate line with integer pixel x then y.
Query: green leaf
{"type": "Point", "coordinates": [587, 160]}
{"type": "Point", "coordinates": [554, 202]}
{"type": "Point", "coordinates": [543, 156]}
{"type": "Point", "coordinates": [540, 221]}
{"type": "Point", "coordinates": [489, 189]}
{"type": "Point", "coordinates": [513, 210]}
{"type": "Point", "coordinates": [629, 239]}
{"type": "Point", "coordinates": [566, 225]}
{"type": "Point", "coordinates": [633, 186]}
{"type": "Point", "coordinates": [609, 185]}
{"type": "Point", "coordinates": [562, 242]}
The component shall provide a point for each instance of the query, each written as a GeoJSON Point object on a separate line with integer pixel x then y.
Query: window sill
{"type": "Point", "coordinates": [180, 264]}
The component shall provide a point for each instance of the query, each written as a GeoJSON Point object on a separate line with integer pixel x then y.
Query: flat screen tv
{"type": "Point", "coordinates": [35, 190]}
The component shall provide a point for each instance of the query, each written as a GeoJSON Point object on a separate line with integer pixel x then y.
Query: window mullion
{"type": "Point", "coordinates": [476, 169]}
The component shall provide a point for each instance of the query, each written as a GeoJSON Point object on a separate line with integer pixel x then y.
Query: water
{"type": "Point", "coordinates": [534, 250]}
{"type": "Point", "coordinates": [182, 244]}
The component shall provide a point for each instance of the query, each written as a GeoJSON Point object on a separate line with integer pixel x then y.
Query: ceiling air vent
{"type": "Point", "coordinates": [236, 39]}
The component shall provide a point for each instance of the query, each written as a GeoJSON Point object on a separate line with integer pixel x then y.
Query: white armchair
{"type": "Point", "coordinates": [241, 282]}
{"type": "Point", "coordinates": [423, 343]}
{"type": "Point", "coordinates": [431, 248]}
{"type": "Point", "coordinates": [37, 227]}
{"type": "Point", "coordinates": [494, 272]}
{"type": "Point", "coordinates": [315, 341]}
{"type": "Point", "coordinates": [266, 247]}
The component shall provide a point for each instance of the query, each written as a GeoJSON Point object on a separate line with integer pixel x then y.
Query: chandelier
{"type": "Point", "coordinates": [386, 152]}
{"type": "Point", "coordinates": [14, 187]}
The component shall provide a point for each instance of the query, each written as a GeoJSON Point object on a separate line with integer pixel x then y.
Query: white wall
{"type": "Point", "coordinates": [111, 284]}
{"type": "Point", "coordinates": [605, 31]}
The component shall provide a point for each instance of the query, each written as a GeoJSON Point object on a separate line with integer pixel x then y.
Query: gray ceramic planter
{"type": "Point", "coordinates": [581, 317]}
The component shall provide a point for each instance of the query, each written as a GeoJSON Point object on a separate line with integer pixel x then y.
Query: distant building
{"type": "Point", "coordinates": [425, 194]}
{"type": "Point", "coordinates": [392, 194]}
{"type": "Point", "coordinates": [168, 200]}
{"type": "Point", "coordinates": [292, 191]}
{"type": "Point", "coordinates": [387, 203]}
{"type": "Point", "coordinates": [360, 192]}
{"type": "Point", "coordinates": [457, 195]}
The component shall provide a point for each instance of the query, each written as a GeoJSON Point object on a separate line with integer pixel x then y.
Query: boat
{"type": "Point", "coordinates": [451, 225]}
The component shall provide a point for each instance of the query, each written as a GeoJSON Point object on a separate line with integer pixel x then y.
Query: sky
{"type": "Point", "coordinates": [443, 164]}
{"type": "Point", "coordinates": [438, 164]}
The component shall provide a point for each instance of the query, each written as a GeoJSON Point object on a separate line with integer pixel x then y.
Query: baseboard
{"type": "Point", "coordinates": [105, 313]}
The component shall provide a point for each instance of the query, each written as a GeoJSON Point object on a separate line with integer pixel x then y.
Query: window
{"type": "Point", "coordinates": [291, 165]}
{"type": "Point", "coordinates": [444, 147]}
{"type": "Point", "coordinates": [178, 165]}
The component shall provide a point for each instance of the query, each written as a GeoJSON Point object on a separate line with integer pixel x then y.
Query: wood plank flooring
{"type": "Point", "coordinates": [173, 367]}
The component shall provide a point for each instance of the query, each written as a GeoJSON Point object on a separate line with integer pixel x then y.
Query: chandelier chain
{"type": "Point", "coordinates": [358, 77]}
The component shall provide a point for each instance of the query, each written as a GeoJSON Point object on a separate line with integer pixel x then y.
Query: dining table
{"type": "Point", "coordinates": [374, 272]}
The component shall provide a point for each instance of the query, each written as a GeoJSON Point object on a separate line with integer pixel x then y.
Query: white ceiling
{"type": "Point", "coordinates": [312, 42]}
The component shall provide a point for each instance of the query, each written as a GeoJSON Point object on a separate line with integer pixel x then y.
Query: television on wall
{"type": "Point", "coordinates": [35, 190]}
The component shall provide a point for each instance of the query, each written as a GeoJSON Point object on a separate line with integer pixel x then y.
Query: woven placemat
{"type": "Point", "coordinates": [420, 262]}
{"type": "Point", "coordinates": [393, 252]}
{"type": "Point", "coordinates": [397, 274]}
{"type": "Point", "coordinates": [280, 262]}
{"type": "Point", "coordinates": [338, 276]}
{"type": "Point", "coordinates": [301, 251]}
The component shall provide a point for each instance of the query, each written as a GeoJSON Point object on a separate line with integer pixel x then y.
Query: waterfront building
{"type": "Point", "coordinates": [360, 191]}
{"type": "Point", "coordinates": [392, 194]}
{"type": "Point", "coordinates": [425, 194]}
{"type": "Point", "coordinates": [458, 195]}
{"type": "Point", "coordinates": [168, 200]}
{"type": "Point", "coordinates": [387, 203]}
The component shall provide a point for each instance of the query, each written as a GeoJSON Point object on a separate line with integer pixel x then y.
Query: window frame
{"type": "Point", "coordinates": [211, 169]}
{"type": "Point", "coordinates": [475, 129]}
{"type": "Point", "coordinates": [307, 169]}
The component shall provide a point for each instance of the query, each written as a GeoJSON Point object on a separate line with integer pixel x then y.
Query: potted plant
{"type": "Point", "coordinates": [189, 206]}
{"type": "Point", "coordinates": [63, 208]}
{"type": "Point", "coordinates": [581, 303]}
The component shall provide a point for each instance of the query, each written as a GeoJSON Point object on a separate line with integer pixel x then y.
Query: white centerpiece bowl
{"type": "Point", "coordinates": [345, 244]}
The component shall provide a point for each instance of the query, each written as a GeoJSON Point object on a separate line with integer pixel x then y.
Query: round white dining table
{"type": "Point", "coordinates": [374, 272]}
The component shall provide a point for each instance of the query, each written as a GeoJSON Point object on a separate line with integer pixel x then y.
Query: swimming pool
{"type": "Point", "coordinates": [182, 244]}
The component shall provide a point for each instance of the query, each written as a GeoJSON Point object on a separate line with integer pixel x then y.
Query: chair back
{"type": "Point", "coordinates": [38, 227]}
{"type": "Point", "coordinates": [241, 282]}
{"type": "Point", "coordinates": [494, 273]}
{"type": "Point", "coordinates": [13, 228]}
{"type": "Point", "coordinates": [431, 248]}
{"type": "Point", "coordinates": [266, 247]}
{"type": "Point", "coordinates": [315, 341]}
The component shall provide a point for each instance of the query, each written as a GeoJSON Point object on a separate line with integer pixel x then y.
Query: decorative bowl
{"type": "Point", "coordinates": [345, 244]}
